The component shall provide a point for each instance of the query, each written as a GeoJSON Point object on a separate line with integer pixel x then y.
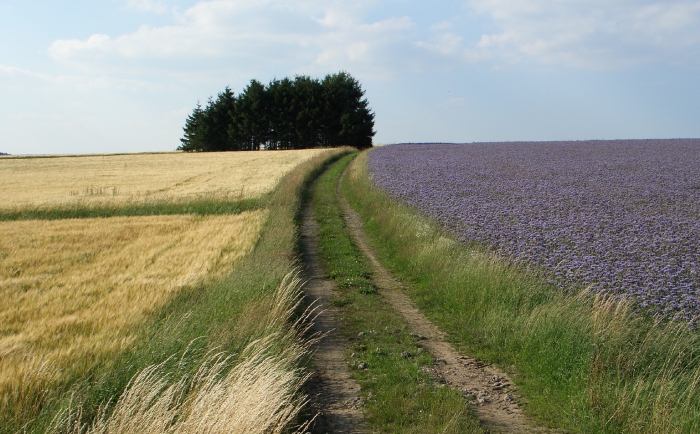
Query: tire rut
{"type": "Point", "coordinates": [494, 399]}
{"type": "Point", "coordinates": [334, 394]}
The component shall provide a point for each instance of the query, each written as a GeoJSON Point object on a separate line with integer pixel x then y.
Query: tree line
{"type": "Point", "coordinates": [297, 113]}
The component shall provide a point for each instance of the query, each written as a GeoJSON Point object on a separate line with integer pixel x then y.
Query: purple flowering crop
{"type": "Point", "coordinates": [620, 216]}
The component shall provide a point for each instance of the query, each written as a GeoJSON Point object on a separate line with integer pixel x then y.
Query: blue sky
{"type": "Point", "coordinates": [122, 75]}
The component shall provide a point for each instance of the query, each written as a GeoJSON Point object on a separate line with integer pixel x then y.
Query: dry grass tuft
{"type": "Point", "coordinates": [257, 392]}
{"type": "Point", "coordinates": [73, 292]}
{"type": "Point", "coordinates": [115, 179]}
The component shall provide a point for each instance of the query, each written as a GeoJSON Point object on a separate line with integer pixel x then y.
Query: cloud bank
{"type": "Point", "coordinates": [253, 36]}
{"type": "Point", "coordinates": [591, 33]}
{"type": "Point", "coordinates": [320, 36]}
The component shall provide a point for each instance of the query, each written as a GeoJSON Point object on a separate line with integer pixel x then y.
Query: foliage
{"type": "Point", "coordinates": [301, 113]}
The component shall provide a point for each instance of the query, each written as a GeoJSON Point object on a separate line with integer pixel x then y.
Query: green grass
{"type": "Point", "coordinates": [200, 206]}
{"type": "Point", "coordinates": [400, 397]}
{"type": "Point", "coordinates": [223, 316]}
{"type": "Point", "coordinates": [584, 364]}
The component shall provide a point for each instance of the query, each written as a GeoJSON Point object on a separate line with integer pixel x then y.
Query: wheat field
{"type": "Point", "coordinates": [74, 292]}
{"type": "Point", "coordinates": [99, 179]}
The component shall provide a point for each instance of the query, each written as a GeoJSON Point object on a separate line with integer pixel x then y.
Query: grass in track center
{"type": "Point", "coordinates": [385, 358]}
{"type": "Point", "coordinates": [584, 363]}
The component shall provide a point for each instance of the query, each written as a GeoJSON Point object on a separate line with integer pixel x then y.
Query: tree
{"type": "Point", "coordinates": [192, 128]}
{"type": "Point", "coordinates": [309, 119]}
{"type": "Point", "coordinates": [252, 111]}
{"type": "Point", "coordinates": [221, 120]}
{"type": "Point", "coordinates": [282, 112]}
{"type": "Point", "coordinates": [287, 114]}
{"type": "Point", "coordinates": [206, 129]}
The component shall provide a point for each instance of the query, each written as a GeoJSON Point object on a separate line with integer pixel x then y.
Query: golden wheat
{"type": "Point", "coordinates": [74, 291]}
{"type": "Point", "coordinates": [50, 181]}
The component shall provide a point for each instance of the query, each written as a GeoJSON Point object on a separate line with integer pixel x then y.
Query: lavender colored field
{"type": "Point", "coordinates": [622, 217]}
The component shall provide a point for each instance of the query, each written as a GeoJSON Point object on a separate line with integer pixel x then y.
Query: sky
{"type": "Point", "coordinates": [103, 76]}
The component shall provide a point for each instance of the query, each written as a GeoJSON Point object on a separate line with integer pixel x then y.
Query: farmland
{"type": "Point", "coordinates": [171, 295]}
{"type": "Point", "coordinates": [584, 361]}
{"type": "Point", "coordinates": [129, 178]}
{"type": "Point", "coordinates": [174, 312]}
{"type": "Point", "coordinates": [618, 217]}
{"type": "Point", "coordinates": [77, 289]}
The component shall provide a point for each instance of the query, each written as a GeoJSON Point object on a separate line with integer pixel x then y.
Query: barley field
{"type": "Point", "coordinates": [114, 179]}
{"type": "Point", "coordinates": [75, 291]}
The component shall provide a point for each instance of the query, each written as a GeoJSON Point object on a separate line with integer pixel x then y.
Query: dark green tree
{"type": "Point", "coordinates": [283, 105]}
{"type": "Point", "coordinates": [218, 121]}
{"type": "Point", "coordinates": [347, 117]}
{"type": "Point", "coordinates": [206, 129]}
{"type": "Point", "coordinates": [253, 116]}
{"type": "Point", "coordinates": [287, 114]}
{"type": "Point", "coordinates": [193, 126]}
{"type": "Point", "coordinates": [309, 118]}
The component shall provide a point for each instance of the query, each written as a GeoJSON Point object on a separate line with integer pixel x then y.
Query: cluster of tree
{"type": "Point", "coordinates": [297, 113]}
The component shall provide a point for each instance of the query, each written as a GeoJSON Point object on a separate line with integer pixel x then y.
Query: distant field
{"type": "Point", "coordinates": [52, 181]}
{"type": "Point", "coordinates": [75, 291]}
{"type": "Point", "coordinates": [618, 216]}
{"type": "Point", "coordinates": [583, 361]}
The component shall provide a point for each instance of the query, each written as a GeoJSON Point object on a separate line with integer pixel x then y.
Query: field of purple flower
{"type": "Point", "coordinates": [622, 217]}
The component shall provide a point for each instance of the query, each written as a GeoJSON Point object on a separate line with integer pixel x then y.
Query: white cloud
{"type": "Point", "coordinates": [453, 102]}
{"type": "Point", "coordinates": [303, 35]}
{"type": "Point", "coordinates": [592, 33]}
{"type": "Point", "coordinates": [313, 36]}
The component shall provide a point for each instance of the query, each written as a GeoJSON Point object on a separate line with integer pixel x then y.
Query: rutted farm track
{"type": "Point", "coordinates": [335, 395]}
{"type": "Point", "coordinates": [488, 390]}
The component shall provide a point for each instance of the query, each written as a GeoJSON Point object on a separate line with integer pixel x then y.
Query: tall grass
{"type": "Point", "coordinates": [256, 392]}
{"type": "Point", "coordinates": [223, 316]}
{"type": "Point", "coordinates": [584, 363]}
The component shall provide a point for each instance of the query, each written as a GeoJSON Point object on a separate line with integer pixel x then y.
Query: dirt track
{"type": "Point", "coordinates": [337, 394]}
{"type": "Point", "coordinates": [494, 401]}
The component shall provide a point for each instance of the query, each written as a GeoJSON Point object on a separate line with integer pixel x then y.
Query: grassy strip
{"type": "Point", "coordinates": [201, 206]}
{"type": "Point", "coordinates": [221, 317]}
{"type": "Point", "coordinates": [585, 363]}
{"type": "Point", "coordinates": [400, 396]}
